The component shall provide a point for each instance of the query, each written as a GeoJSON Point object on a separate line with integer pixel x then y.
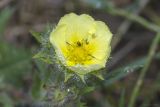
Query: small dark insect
{"type": "Point", "coordinates": [79, 43]}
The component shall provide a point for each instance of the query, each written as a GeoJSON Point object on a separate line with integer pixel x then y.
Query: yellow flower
{"type": "Point", "coordinates": [81, 43]}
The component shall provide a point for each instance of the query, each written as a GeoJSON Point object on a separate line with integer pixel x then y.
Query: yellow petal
{"type": "Point", "coordinates": [81, 43]}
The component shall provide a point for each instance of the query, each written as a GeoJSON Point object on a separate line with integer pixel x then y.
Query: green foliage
{"type": "Point", "coordinates": [125, 70]}
{"type": "Point", "coordinates": [46, 53]}
{"type": "Point", "coordinates": [37, 36]}
{"type": "Point", "coordinates": [98, 74]}
{"type": "Point", "coordinates": [122, 99]}
{"type": "Point", "coordinates": [37, 87]}
{"type": "Point", "coordinates": [68, 75]}
{"type": "Point", "coordinates": [80, 104]}
{"type": "Point", "coordinates": [58, 73]}
{"type": "Point", "coordinates": [5, 100]}
{"type": "Point", "coordinates": [41, 76]}
{"type": "Point", "coordinates": [4, 17]}
{"type": "Point", "coordinates": [15, 63]}
{"type": "Point", "coordinates": [49, 72]}
{"type": "Point", "coordinates": [61, 77]}
{"type": "Point", "coordinates": [86, 90]}
{"type": "Point", "coordinates": [43, 59]}
{"type": "Point", "coordinates": [44, 56]}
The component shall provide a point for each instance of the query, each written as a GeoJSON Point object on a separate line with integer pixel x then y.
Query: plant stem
{"type": "Point", "coordinates": [123, 28]}
{"type": "Point", "coordinates": [139, 82]}
{"type": "Point", "coordinates": [134, 18]}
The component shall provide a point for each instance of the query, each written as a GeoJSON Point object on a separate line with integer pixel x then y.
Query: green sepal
{"type": "Point", "coordinates": [42, 55]}
{"type": "Point", "coordinates": [37, 36]}
{"type": "Point", "coordinates": [59, 95]}
{"type": "Point", "coordinates": [98, 74]}
{"type": "Point", "coordinates": [82, 78]}
{"type": "Point", "coordinates": [46, 54]}
{"type": "Point", "coordinates": [68, 76]}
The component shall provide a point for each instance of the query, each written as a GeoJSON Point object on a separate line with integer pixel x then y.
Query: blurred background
{"type": "Point", "coordinates": [130, 46]}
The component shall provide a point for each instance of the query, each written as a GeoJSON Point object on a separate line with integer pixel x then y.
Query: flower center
{"type": "Point", "coordinates": [79, 52]}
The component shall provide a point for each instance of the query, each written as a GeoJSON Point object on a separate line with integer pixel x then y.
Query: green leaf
{"type": "Point", "coordinates": [5, 100]}
{"type": "Point", "coordinates": [44, 55]}
{"type": "Point", "coordinates": [82, 78]}
{"type": "Point", "coordinates": [123, 71]}
{"type": "Point", "coordinates": [78, 103]}
{"type": "Point", "coordinates": [43, 71]}
{"type": "Point", "coordinates": [119, 73]}
{"type": "Point", "coordinates": [87, 90]}
{"type": "Point", "coordinates": [122, 99]}
{"type": "Point", "coordinates": [37, 36]}
{"type": "Point", "coordinates": [14, 63]}
{"type": "Point", "coordinates": [98, 74]}
{"type": "Point", "coordinates": [59, 95]}
{"type": "Point", "coordinates": [4, 17]}
{"type": "Point", "coordinates": [41, 77]}
{"type": "Point", "coordinates": [68, 76]}
{"type": "Point", "coordinates": [37, 87]}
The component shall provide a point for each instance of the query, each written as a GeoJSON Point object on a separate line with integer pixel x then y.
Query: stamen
{"type": "Point", "coordinates": [92, 56]}
{"type": "Point", "coordinates": [69, 44]}
{"type": "Point", "coordinates": [79, 46]}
